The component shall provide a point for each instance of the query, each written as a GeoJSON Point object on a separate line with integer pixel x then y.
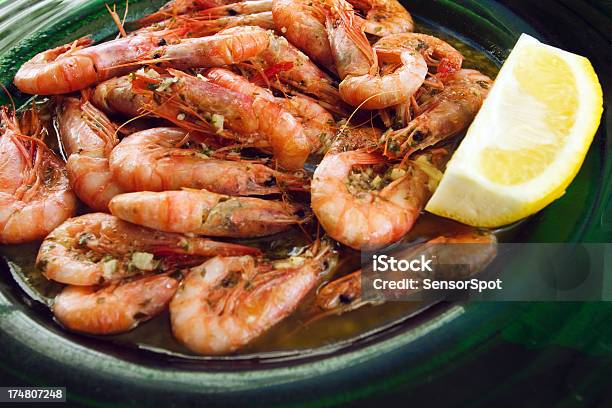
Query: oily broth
{"type": "Point", "coordinates": [292, 334]}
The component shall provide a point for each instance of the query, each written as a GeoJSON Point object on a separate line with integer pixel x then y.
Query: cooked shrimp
{"type": "Point", "coordinates": [238, 44]}
{"type": "Point", "coordinates": [384, 17]}
{"type": "Point", "coordinates": [205, 213]}
{"type": "Point", "coordinates": [235, 82]}
{"type": "Point", "coordinates": [118, 96]}
{"type": "Point", "coordinates": [240, 8]}
{"type": "Point", "coordinates": [303, 24]}
{"type": "Point", "coordinates": [115, 96]}
{"type": "Point", "coordinates": [250, 114]}
{"type": "Point", "coordinates": [35, 195]}
{"type": "Point", "coordinates": [345, 294]}
{"type": "Point", "coordinates": [437, 53]}
{"type": "Point", "coordinates": [88, 137]}
{"type": "Point", "coordinates": [442, 114]}
{"type": "Point", "coordinates": [76, 66]}
{"type": "Point", "coordinates": [176, 8]}
{"type": "Point", "coordinates": [365, 210]}
{"type": "Point", "coordinates": [113, 309]}
{"type": "Point", "coordinates": [318, 124]}
{"type": "Point", "coordinates": [202, 28]}
{"type": "Point", "coordinates": [151, 161]}
{"type": "Point", "coordinates": [357, 64]}
{"type": "Point", "coordinates": [99, 248]}
{"type": "Point", "coordinates": [73, 67]}
{"type": "Point", "coordinates": [295, 69]}
{"type": "Point", "coordinates": [201, 25]}
{"type": "Point", "coordinates": [226, 303]}
{"type": "Point", "coordinates": [224, 48]}
{"type": "Point", "coordinates": [340, 295]}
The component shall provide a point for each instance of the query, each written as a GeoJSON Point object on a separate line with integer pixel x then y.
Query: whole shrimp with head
{"type": "Point", "coordinates": [226, 303]}
{"type": "Point", "coordinates": [76, 66]}
{"type": "Point", "coordinates": [145, 93]}
{"type": "Point", "coordinates": [318, 124]}
{"type": "Point", "coordinates": [365, 203]}
{"type": "Point", "coordinates": [235, 9]}
{"type": "Point", "coordinates": [175, 8]}
{"type": "Point", "coordinates": [358, 66]}
{"type": "Point", "coordinates": [206, 213]}
{"type": "Point", "coordinates": [245, 114]}
{"type": "Point", "coordinates": [470, 251]}
{"type": "Point", "coordinates": [441, 115]}
{"type": "Point", "coordinates": [35, 196]}
{"type": "Point", "coordinates": [302, 22]}
{"type": "Point", "coordinates": [153, 160]}
{"type": "Point", "coordinates": [202, 26]}
{"type": "Point", "coordinates": [438, 54]}
{"type": "Point", "coordinates": [384, 17]}
{"type": "Point", "coordinates": [116, 308]}
{"type": "Point", "coordinates": [98, 248]}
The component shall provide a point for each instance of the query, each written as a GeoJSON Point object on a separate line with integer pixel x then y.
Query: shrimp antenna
{"type": "Point", "coordinates": [125, 12]}
{"type": "Point", "coordinates": [343, 128]}
{"type": "Point", "coordinates": [6, 91]}
{"type": "Point", "coordinates": [116, 20]}
{"type": "Point", "coordinates": [129, 121]}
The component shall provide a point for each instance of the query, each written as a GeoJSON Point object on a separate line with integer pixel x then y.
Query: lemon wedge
{"type": "Point", "coordinates": [528, 141]}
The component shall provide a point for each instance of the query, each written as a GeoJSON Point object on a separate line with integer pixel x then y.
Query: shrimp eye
{"type": "Point", "coordinates": [230, 281]}
{"type": "Point", "coordinates": [42, 264]}
{"type": "Point", "coordinates": [345, 299]}
{"type": "Point", "coordinates": [176, 275]}
{"type": "Point", "coordinates": [162, 42]}
{"type": "Point", "coordinates": [232, 12]}
{"type": "Point", "coordinates": [271, 182]}
{"type": "Point", "coordinates": [483, 84]}
{"type": "Point", "coordinates": [393, 146]}
{"type": "Point", "coordinates": [418, 136]}
{"type": "Point", "coordinates": [140, 316]}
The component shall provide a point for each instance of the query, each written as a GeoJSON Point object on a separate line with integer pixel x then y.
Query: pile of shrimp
{"type": "Point", "coordinates": [200, 125]}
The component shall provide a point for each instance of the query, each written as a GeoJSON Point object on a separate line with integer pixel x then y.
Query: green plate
{"type": "Point", "coordinates": [477, 353]}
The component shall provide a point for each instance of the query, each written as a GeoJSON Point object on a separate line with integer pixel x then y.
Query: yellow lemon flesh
{"type": "Point", "coordinates": [527, 142]}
